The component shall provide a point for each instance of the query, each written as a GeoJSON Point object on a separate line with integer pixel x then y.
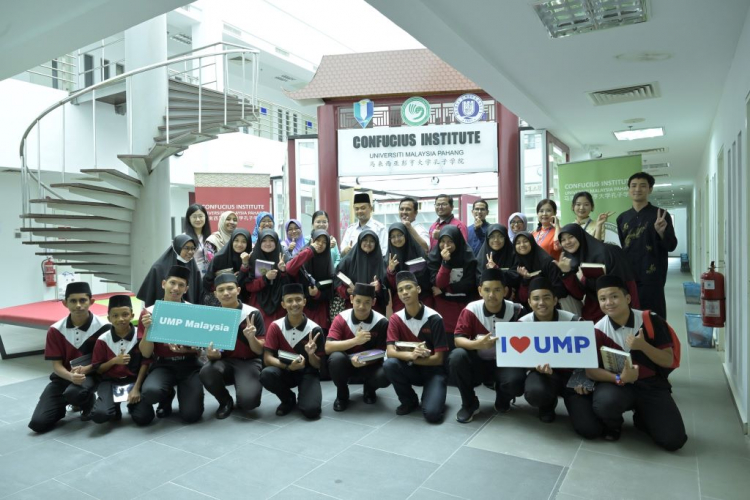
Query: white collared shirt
{"type": "Point", "coordinates": [352, 233]}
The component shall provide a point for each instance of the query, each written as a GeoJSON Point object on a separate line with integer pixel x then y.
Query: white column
{"type": "Point", "coordinates": [210, 30]}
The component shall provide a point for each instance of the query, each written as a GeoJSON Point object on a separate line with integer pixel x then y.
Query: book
{"type": "Point", "coordinates": [579, 378]}
{"type": "Point", "coordinates": [593, 271]}
{"type": "Point", "coordinates": [534, 274]}
{"type": "Point", "coordinates": [310, 280]}
{"type": "Point", "coordinates": [416, 265]}
{"type": "Point", "coordinates": [614, 360]}
{"type": "Point", "coordinates": [84, 360]}
{"type": "Point", "coordinates": [288, 357]}
{"type": "Point", "coordinates": [343, 277]}
{"type": "Point", "coordinates": [262, 267]}
{"type": "Point", "coordinates": [407, 346]}
{"type": "Point", "coordinates": [367, 356]}
{"type": "Point", "coordinates": [324, 283]}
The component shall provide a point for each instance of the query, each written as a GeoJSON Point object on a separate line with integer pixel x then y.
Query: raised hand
{"type": "Point", "coordinates": [392, 262]}
{"type": "Point", "coordinates": [563, 264]}
{"type": "Point", "coordinates": [445, 254]}
{"type": "Point", "coordinates": [318, 246]}
{"type": "Point", "coordinates": [292, 245]}
{"type": "Point", "coordinates": [435, 234]}
{"type": "Point", "coordinates": [376, 284]}
{"type": "Point", "coordinates": [147, 320]}
{"type": "Point", "coordinates": [490, 262]}
{"type": "Point", "coordinates": [250, 329]}
{"type": "Point", "coordinates": [661, 222]}
{"type": "Point", "coordinates": [636, 342]}
{"type": "Point", "coordinates": [281, 265]}
{"type": "Point", "coordinates": [555, 221]}
{"type": "Point", "coordinates": [312, 344]}
{"type": "Point", "coordinates": [271, 275]}
{"type": "Point", "coordinates": [603, 217]}
{"type": "Point", "coordinates": [477, 222]}
{"type": "Point", "coordinates": [362, 336]}
{"type": "Point", "coordinates": [522, 272]}
{"type": "Point", "coordinates": [245, 258]}
{"type": "Point", "coordinates": [212, 353]}
{"type": "Point", "coordinates": [544, 369]}
{"type": "Point", "coordinates": [313, 291]}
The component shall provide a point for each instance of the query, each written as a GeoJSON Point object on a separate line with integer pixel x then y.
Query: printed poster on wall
{"type": "Point", "coordinates": [244, 194]}
{"type": "Point", "coordinates": [607, 181]}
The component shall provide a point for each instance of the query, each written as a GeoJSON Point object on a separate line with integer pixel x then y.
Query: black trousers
{"type": "Point", "coordinates": [433, 379]}
{"type": "Point", "coordinates": [342, 372]}
{"type": "Point", "coordinates": [654, 410]}
{"type": "Point", "coordinates": [651, 297]}
{"type": "Point", "coordinates": [541, 391]}
{"type": "Point", "coordinates": [56, 396]}
{"type": "Point", "coordinates": [243, 373]}
{"type": "Point", "coordinates": [161, 380]}
{"type": "Point", "coordinates": [280, 382]}
{"type": "Point", "coordinates": [467, 370]}
{"type": "Point", "coordinates": [105, 407]}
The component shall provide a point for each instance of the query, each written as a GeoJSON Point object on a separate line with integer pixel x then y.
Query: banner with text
{"type": "Point", "coordinates": [194, 325]}
{"type": "Point", "coordinates": [607, 181]}
{"type": "Point", "coordinates": [562, 344]}
{"type": "Point", "coordinates": [245, 202]}
{"type": "Point", "coordinates": [408, 150]}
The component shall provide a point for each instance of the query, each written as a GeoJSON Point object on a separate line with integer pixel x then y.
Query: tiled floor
{"type": "Point", "coordinates": [369, 452]}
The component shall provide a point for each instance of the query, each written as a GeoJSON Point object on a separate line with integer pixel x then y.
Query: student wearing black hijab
{"type": "Point", "coordinates": [580, 247]}
{"type": "Point", "coordinates": [265, 291]}
{"type": "Point", "coordinates": [313, 268]}
{"type": "Point", "coordinates": [530, 259]}
{"type": "Point", "coordinates": [234, 257]}
{"type": "Point", "coordinates": [497, 250]}
{"type": "Point", "coordinates": [453, 274]}
{"type": "Point", "coordinates": [180, 253]}
{"type": "Point", "coordinates": [402, 248]}
{"type": "Point", "coordinates": [364, 264]}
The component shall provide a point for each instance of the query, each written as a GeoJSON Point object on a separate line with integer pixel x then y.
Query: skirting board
{"type": "Point", "coordinates": [741, 413]}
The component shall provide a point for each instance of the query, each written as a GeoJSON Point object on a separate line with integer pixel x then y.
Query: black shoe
{"type": "Point", "coordinates": [286, 406]}
{"type": "Point", "coordinates": [369, 397]}
{"type": "Point", "coordinates": [612, 434]}
{"type": "Point", "coordinates": [547, 415]}
{"type": "Point", "coordinates": [225, 409]}
{"type": "Point", "coordinates": [118, 414]}
{"type": "Point", "coordinates": [502, 405]}
{"type": "Point", "coordinates": [86, 414]}
{"type": "Point", "coordinates": [406, 408]}
{"type": "Point", "coordinates": [638, 423]}
{"type": "Point", "coordinates": [165, 407]}
{"type": "Point", "coordinates": [466, 413]}
{"type": "Point", "coordinates": [340, 404]}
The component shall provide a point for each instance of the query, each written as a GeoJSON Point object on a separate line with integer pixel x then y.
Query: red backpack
{"type": "Point", "coordinates": [676, 348]}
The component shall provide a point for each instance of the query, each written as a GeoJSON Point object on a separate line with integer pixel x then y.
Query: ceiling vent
{"type": "Point", "coordinates": [660, 175]}
{"type": "Point", "coordinates": [651, 151]}
{"type": "Point", "coordinates": [655, 166]}
{"type": "Point", "coordinates": [625, 94]}
{"type": "Point", "coordinates": [285, 78]}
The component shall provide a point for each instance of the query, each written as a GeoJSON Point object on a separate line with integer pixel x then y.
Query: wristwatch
{"type": "Point", "coordinates": [618, 380]}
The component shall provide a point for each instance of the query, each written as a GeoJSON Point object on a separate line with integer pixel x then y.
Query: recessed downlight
{"type": "Point", "coordinates": [633, 134]}
{"type": "Point", "coordinates": [644, 56]}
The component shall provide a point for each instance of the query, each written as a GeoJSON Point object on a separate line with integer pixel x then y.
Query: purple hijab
{"type": "Point", "coordinates": [299, 241]}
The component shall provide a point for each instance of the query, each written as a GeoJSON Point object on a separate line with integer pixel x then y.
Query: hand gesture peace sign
{"type": "Point", "coordinates": [376, 284]}
{"type": "Point", "coordinates": [281, 265]}
{"type": "Point", "coordinates": [603, 217]}
{"type": "Point", "coordinates": [312, 344]}
{"type": "Point", "coordinates": [250, 329]}
{"type": "Point", "coordinates": [661, 222]}
{"type": "Point", "coordinates": [392, 262]}
{"type": "Point", "coordinates": [490, 263]}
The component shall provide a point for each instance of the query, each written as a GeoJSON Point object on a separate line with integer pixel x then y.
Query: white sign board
{"type": "Point", "coordinates": [562, 344]}
{"type": "Point", "coordinates": [408, 150]}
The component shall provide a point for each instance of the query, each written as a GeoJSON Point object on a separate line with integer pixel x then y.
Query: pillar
{"type": "Point", "coordinates": [509, 169]}
{"type": "Point", "coordinates": [328, 167]}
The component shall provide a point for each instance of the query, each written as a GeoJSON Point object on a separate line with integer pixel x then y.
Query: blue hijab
{"type": "Point", "coordinates": [257, 224]}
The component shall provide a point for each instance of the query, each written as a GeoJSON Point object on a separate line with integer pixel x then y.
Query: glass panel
{"type": "Point", "coordinates": [556, 156]}
{"type": "Point", "coordinates": [307, 184]}
{"type": "Point", "coordinates": [533, 147]}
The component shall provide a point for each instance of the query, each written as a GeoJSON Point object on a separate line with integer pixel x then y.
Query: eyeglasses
{"type": "Point", "coordinates": [197, 217]}
{"type": "Point", "coordinates": [189, 249]}
{"type": "Point", "coordinates": [442, 205]}
{"type": "Point", "coordinates": [516, 223]}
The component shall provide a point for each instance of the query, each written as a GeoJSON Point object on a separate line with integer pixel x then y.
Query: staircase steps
{"type": "Point", "coordinates": [117, 278]}
{"type": "Point", "coordinates": [81, 221]}
{"type": "Point", "coordinates": [186, 138]}
{"type": "Point", "coordinates": [104, 194]}
{"type": "Point", "coordinates": [89, 207]}
{"type": "Point", "coordinates": [84, 246]}
{"type": "Point", "coordinates": [105, 268]}
{"type": "Point", "coordinates": [209, 123]}
{"type": "Point", "coordinates": [120, 180]}
{"type": "Point", "coordinates": [73, 258]}
{"type": "Point", "coordinates": [81, 235]}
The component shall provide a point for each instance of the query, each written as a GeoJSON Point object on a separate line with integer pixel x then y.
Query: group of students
{"type": "Point", "coordinates": [326, 313]}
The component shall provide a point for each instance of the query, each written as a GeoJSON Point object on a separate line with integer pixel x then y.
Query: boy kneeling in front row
{"type": "Point", "coordinates": [423, 365]}
{"type": "Point", "coordinates": [644, 388]}
{"type": "Point", "coordinates": [354, 331]}
{"type": "Point", "coordinates": [292, 352]}
{"type": "Point", "coordinates": [117, 358]}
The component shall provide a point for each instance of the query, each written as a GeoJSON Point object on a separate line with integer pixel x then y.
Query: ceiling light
{"type": "Point", "coordinates": [569, 17]}
{"type": "Point", "coordinates": [663, 186]}
{"type": "Point", "coordinates": [639, 133]}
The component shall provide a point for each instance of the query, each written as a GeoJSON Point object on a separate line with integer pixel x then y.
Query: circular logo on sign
{"type": "Point", "coordinates": [468, 108]}
{"type": "Point", "coordinates": [415, 111]}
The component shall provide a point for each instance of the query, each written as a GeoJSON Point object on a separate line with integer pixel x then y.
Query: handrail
{"type": "Point", "coordinates": [228, 44]}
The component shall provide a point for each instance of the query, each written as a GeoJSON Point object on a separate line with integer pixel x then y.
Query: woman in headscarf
{"type": "Point", "coordinates": [233, 258]}
{"type": "Point", "coordinates": [198, 227]}
{"type": "Point", "coordinates": [402, 248]}
{"type": "Point", "coordinates": [179, 253]}
{"type": "Point", "coordinates": [496, 252]}
{"type": "Point", "coordinates": [215, 242]}
{"type": "Point", "coordinates": [320, 222]}
{"type": "Point", "coordinates": [364, 264]}
{"type": "Point", "coordinates": [263, 220]}
{"type": "Point", "coordinates": [580, 247]}
{"type": "Point", "coordinates": [265, 290]}
{"type": "Point", "coordinates": [517, 222]}
{"type": "Point", "coordinates": [532, 259]}
{"type": "Point", "coordinates": [453, 274]}
{"type": "Point", "coordinates": [294, 241]}
{"type": "Point", "coordinates": [313, 268]}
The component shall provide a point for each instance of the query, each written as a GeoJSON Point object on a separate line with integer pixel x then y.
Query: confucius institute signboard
{"type": "Point", "coordinates": [408, 150]}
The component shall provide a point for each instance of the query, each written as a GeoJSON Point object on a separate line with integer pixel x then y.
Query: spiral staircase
{"type": "Point", "coordinates": [86, 223]}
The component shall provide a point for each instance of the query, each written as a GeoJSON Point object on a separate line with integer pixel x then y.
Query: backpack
{"type": "Point", "coordinates": [676, 348]}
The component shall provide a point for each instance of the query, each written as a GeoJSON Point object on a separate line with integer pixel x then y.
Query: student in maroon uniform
{"type": "Point", "coordinates": [72, 337]}
{"type": "Point", "coordinates": [294, 334]}
{"type": "Point", "coordinates": [242, 365]}
{"type": "Point", "coordinates": [402, 248]}
{"type": "Point", "coordinates": [364, 264]}
{"type": "Point", "coordinates": [265, 291]}
{"type": "Point", "coordinates": [453, 273]}
{"type": "Point", "coordinates": [543, 385]}
{"type": "Point", "coordinates": [644, 388]}
{"type": "Point", "coordinates": [313, 267]}
{"type": "Point", "coordinates": [117, 358]}
{"type": "Point", "coordinates": [171, 365]}
{"type": "Point", "coordinates": [424, 365]}
{"type": "Point", "coordinates": [530, 259]}
{"type": "Point", "coordinates": [353, 331]}
{"type": "Point", "coordinates": [473, 360]}
{"type": "Point", "coordinates": [233, 258]}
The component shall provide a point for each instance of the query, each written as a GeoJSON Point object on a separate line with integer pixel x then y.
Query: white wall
{"type": "Point", "coordinates": [679, 216]}
{"type": "Point", "coordinates": [730, 120]}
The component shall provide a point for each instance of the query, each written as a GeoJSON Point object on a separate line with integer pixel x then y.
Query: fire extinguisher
{"type": "Point", "coordinates": [49, 272]}
{"type": "Point", "coordinates": [713, 300]}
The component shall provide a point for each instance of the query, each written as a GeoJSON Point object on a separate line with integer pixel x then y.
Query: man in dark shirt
{"type": "Point", "coordinates": [478, 231]}
{"type": "Point", "coordinates": [647, 236]}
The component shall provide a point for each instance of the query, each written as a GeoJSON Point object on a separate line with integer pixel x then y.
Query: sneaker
{"type": "Point", "coordinates": [369, 397]}
{"type": "Point", "coordinates": [286, 406]}
{"type": "Point", "coordinates": [466, 413]}
{"type": "Point", "coordinates": [502, 405]}
{"type": "Point", "coordinates": [406, 408]}
{"type": "Point", "coordinates": [340, 404]}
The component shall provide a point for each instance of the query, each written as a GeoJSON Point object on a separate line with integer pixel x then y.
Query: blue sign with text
{"type": "Point", "coordinates": [194, 325]}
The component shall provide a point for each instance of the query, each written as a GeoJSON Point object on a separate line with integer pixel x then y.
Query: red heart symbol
{"type": "Point", "coordinates": [520, 344]}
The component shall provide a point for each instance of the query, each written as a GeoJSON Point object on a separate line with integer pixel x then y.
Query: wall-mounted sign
{"type": "Point", "coordinates": [415, 111]}
{"type": "Point", "coordinates": [468, 108]}
{"type": "Point", "coordinates": [363, 111]}
{"type": "Point", "coordinates": [429, 150]}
